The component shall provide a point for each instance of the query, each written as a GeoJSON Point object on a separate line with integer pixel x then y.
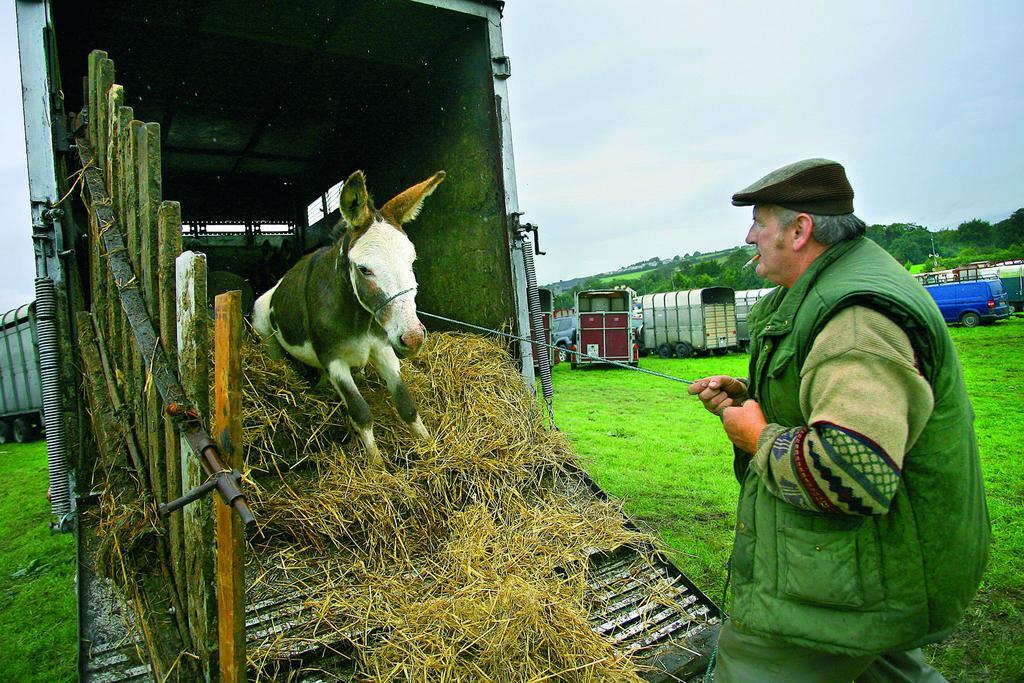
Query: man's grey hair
{"type": "Point", "coordinates": [828, 230]}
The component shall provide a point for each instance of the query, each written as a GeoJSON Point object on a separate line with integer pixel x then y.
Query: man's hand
{"type": "Point", "coordinates": [743, 425]}
{"type": "Point", "coordinates": [719, 392]}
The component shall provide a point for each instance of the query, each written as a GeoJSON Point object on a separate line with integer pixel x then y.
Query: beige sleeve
{"type": "Point", "coordinates": [864, 404]}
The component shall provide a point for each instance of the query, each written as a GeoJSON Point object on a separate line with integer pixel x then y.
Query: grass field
{"type": "Point", "coordinates": [645, 440]}
{"type": "Point", "coordinates": [38, 626]}
{"type": "Point", "coordinates": [623, 277]}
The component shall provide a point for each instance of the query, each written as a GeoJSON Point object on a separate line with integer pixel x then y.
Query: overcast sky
{"type": "Point", "coordinates": [634, 122]}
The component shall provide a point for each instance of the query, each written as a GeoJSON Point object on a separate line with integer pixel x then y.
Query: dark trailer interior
{"type": "Point", "coordinates": [265, 108]}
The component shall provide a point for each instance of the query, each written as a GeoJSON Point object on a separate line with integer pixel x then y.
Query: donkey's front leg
{"type": "Point", "coordinates": [384, 359]}
{"type": "Point", "coordinates": [358, 409]}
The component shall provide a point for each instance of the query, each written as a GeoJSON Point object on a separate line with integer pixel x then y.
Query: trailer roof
{"type": "Point", "coordinates": [258, 99]}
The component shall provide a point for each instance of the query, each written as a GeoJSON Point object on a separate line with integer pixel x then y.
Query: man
{"type": "Point", "coordinates": [862, 531]}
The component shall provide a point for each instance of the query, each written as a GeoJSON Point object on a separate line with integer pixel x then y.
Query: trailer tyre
{"type": "Point", "coordinates": [23, 432]}
{"type": "Point", "coordinates": [970, 319]}
{"type": "Point", "coordinates": [5, 431]}
{"type": "Point", "coordinates": [665, 351]}
{"type": "Point", "coordinates": [684, 349]}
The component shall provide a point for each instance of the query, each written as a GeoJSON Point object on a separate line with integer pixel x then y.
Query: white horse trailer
{"type": "Point", "coordinates": [694, 321]}
{"type": "Point", "coordinates": [745, 300]}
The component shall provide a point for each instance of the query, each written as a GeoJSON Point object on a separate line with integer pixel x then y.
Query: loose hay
{"type": "Point", "coordinates": [466, 560]}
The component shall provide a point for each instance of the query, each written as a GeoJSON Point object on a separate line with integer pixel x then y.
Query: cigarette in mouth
{"type": "Point", "coordinates": [753, 260]}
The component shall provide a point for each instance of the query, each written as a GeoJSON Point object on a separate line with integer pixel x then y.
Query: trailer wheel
{"type": "Point", "coordinates": [23, 432]}
{"type": "Point", "coordinates": [970, 319]}
{"type": "Point", "coordinates": [5, 431]}
{"type": "Point", "coordinates": [684, 349]}
{"type": "Point", "coordinates": [665, 351]}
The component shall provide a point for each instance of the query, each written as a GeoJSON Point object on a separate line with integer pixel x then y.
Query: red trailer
{"type": "Point", "coordinates": [603, 328]}
{"type": "Point", "coordinates": [547, 307]}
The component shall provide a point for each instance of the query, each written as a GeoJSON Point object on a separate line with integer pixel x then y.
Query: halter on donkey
{"type": "Point", "coordinates": [353, 303]}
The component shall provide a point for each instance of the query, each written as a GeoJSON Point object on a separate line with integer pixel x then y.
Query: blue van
{"type": "Point", "coordinates": [971, 303]}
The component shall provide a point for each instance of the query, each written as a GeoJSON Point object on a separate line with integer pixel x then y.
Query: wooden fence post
{"type": "Point", "coordinates": [197, 519]}
{"type": "Point", "coordinates": [147, 171]}
{"type": "Point", "coordinates": [227, 431]}
{"type": "Point", "coordinates": [169, 246]}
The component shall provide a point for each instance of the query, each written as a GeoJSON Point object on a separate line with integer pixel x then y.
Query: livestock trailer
{"type": "Point", "coordinates": [693, 321]}
{"type": "Point", "coordinates": [250, 114]}
{"type": "Point", "coordinates": [745, 300]}
{"type": "Point", "coordinates": [603, 330]}
{"type": "Point", "coordinates": [1012, 278]}
{"type": "Point", "coordinates": [21, 397]}
{"type": "Point", "coordinates": [547, 308]}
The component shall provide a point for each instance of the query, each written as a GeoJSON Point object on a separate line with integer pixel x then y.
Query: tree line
{"type": "Point", "coordinates": [909, 243]}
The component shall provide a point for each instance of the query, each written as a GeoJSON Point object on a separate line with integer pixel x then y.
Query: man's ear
{"type": "Point", "coordinates": [803, 231]}
{"type": "Point", "coordinates": [355, 202]}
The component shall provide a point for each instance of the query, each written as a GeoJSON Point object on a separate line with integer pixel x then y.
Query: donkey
{"type": "Point", "coordinates": [354, 302]}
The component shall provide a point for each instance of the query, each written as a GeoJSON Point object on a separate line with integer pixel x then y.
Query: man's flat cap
{"type": "Point", "coordinates": [812, 185]}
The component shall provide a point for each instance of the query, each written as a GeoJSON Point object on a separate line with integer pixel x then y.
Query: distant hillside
{"type": "Point", "coordinates": [658, 274]}
{"type": "Point", "coordinates": [917, 247]}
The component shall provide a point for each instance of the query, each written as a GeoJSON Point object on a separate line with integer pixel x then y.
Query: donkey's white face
{"type": "Point", "coordinates": [380, 267]}
{"type": "Point", "coordinates": [380, 257]}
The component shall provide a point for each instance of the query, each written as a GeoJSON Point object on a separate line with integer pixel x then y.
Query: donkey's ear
{"type": "Point", "coordinates": [406, 206]}
{"type": "Point", "coordinates": [355, 202]}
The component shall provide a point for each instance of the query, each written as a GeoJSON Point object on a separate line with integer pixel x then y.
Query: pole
{"type": "Point", "coordinates": [227, 428]}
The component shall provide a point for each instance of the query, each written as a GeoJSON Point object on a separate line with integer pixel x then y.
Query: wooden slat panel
{"type": "Point", "coordinates": [96, 57]}
{"type": "Point", "coordinates": [227, 428]}
{"type": "Point", "coordinates": [126, 190]}
{"type": "Point", "coordinates": [104, 79]}
{"type": "Point", "coordinates": [147, 174]}
{"type": "Point", "coordinates": [112, 321]}
{"type": "Point", "coordinates": [147, 164]}
{"type": "Point", "coordinates": [193, 333]}
{"type": "Point", "coordinates": [169, 247]}
{"type": "Point", "coordinates": [133, 240]}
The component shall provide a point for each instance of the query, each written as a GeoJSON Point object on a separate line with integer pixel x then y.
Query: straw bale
{"type": "Point", "coordinates": [465, 560]}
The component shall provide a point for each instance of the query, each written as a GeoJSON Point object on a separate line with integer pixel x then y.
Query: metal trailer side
{"type": "Point", "coordinates": [684, 322]}
{"type": "Point", "coordinates": [1012, 278]}
{"type": "Point", "coordinates": [745, 300]}
{"type": "Point", "coordinates": [21, 399]}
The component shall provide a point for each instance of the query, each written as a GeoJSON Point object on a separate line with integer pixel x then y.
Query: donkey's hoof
{"type": "Point", "coordinates": [420, 430]}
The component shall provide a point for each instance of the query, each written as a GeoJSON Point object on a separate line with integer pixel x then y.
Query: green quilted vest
{"type": "Point", "coordinates": [852, 584]}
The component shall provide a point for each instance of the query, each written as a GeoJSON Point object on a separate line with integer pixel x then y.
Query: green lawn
{"type": "Point", "coordinates": [38, 623]}
{"type": "Point", "coordinates": [646, 440]}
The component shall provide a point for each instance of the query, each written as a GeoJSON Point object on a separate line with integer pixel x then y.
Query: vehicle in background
{"type": "Point", "coordinates": [563, 335]}
{"type": "Point", "coordinates": [604, 331]}
{"type": "Point", "coordinates": [1012, 278]}
{"type": "Point", "coordinates": [636, 322]}
{"type": "Point", "coordinates": [21, 398]}
{"type": "Point", "coordinates": [745, 300]}
{"type": "Point", "coordinates": [694, 321]}
{"type": "Point", "coordinates": [971, 303]}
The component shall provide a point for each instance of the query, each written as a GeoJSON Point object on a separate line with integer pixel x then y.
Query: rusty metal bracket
{"type": "Point", "coordinates": [163, 374]}
{"type": "Point", "coordinates": [233, 477]}
{"type": "Point", "coordinates": [523, 228]}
